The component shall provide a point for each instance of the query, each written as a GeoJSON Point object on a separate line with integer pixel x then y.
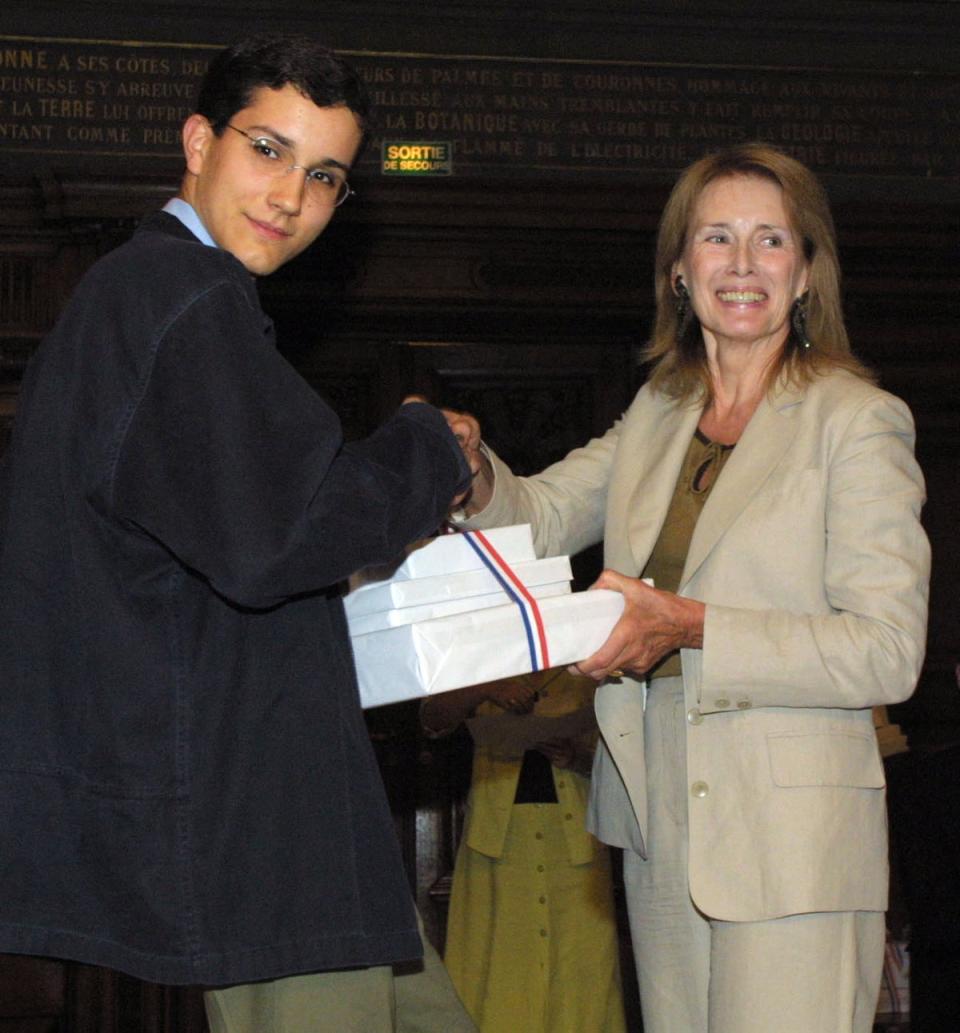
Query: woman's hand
{"type": "Point", "coordinates": [514, 694]}
{"type": "Point", "coordinates": [653, 624]}
{"type": "Point", "coordinates": [566, 754]}
{"type": "Point", "coordinates": [560, 752]}
{"type": "Point", "coordinates": [442, 713]}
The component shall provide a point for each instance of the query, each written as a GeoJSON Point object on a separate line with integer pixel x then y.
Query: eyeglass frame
{"type": "Point", "coordinates": [348, 190]}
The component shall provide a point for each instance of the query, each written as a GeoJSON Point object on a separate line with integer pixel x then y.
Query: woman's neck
{"type": "Point", "coordinates": [739, 378]}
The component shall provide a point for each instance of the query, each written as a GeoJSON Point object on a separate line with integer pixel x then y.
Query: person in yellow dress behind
{"type": "Point", "coordinates": [531, 934]}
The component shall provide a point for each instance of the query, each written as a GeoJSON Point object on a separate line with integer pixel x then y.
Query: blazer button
{"type": "Point", "coordinates": [694, 717]}
{"type": "Point", "coordinates": [700, 789]}
{"type": "Point", "coordinates": [744, 704]}
{"type": "Point", "coordinates": [722, 703]}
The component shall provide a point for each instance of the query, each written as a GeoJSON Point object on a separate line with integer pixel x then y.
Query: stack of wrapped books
{"type": "Point", "coordinates": [466, 608]}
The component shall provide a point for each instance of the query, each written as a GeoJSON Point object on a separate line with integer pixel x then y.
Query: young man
{"type": "Point", "coordinates": [187, 789]}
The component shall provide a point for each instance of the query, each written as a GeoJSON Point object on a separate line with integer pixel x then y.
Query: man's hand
{"type": "Point", "coordinates": [466, 429]}
{"type": "Point", "coordinates": [653, 624]}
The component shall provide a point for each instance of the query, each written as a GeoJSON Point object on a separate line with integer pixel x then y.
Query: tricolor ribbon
{"type": "Point", "coordinates": [518, 593]}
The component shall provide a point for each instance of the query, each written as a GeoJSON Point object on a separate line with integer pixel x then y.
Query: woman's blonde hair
{"type": "Point", "coordinates": [676, 348]}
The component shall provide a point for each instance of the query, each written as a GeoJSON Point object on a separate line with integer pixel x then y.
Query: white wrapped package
{"type": "Point", "coordinates": [447, 653]}
{"type": "Point", "coordinates": [363, 623]}
{"type": "Point", "coordinates": [386, 595]}
{"type": "Point", "coordinates": [450, 554]}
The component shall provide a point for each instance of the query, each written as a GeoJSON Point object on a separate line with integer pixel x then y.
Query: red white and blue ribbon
{"type": "Point", "coordinates": [518, 593]}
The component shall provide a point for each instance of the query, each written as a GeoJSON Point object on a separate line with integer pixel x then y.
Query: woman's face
{"type": "Point", "coordinates": [743, 264]}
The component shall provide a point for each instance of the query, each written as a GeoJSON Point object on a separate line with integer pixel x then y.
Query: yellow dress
{"type": "Point", "coordinates": [531, 934]}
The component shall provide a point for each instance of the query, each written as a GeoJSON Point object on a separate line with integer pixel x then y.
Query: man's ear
{"type": "Point", "coordinates": [197, 133]}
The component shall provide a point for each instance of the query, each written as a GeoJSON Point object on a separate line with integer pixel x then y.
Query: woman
{"type": "Point", "coordinates": [531, 934]}
{"type": "Point", "coordinates": [770, 490]}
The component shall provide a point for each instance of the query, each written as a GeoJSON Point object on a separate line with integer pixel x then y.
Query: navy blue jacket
{"type": "Point", "coordinates": [187, 788]}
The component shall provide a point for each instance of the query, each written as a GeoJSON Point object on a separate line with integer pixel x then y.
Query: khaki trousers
{"type": "Point", "coordinates": [406, 999]}
{"type": "Point", "coordinates": [815, 973]}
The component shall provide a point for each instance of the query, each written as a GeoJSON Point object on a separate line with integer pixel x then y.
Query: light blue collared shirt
{"type": "Point", "coordinates": [187, 214]}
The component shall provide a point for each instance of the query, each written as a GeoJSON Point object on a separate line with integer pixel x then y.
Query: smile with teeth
{"type": "Point", "coordinates": [741, 296]}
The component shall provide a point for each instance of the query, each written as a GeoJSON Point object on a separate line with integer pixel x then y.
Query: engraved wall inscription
{"type": "Point", "coordinates": [505, 116]}
{"type": "Point", "coordinates": [59, 97]}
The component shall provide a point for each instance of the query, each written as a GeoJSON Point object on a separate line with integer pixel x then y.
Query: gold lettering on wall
{"type": "Point", "coordinates": [572, 116]}
{"type": "Point", "coordinates": [95, 98]}
{"type": "Point", "coordinates": [515, 116]}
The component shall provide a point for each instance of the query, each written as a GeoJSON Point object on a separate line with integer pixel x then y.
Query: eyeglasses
{"type": "Point", "coordinates": [324, 186]}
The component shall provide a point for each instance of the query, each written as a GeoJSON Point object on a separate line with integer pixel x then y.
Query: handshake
{"type": "Point", "coordinates": [466, 429]}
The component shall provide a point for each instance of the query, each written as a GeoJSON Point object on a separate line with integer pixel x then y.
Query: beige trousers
{"type": "Point", "coordinates": [816, 973]}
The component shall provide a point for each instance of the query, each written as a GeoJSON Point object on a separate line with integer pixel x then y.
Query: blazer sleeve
{"type": "Point", "coordinates": [868, 647]}
{"type": "Point", "coordinates": [565, 504]}
{"type": "Point", "coordinates": [239, 469]}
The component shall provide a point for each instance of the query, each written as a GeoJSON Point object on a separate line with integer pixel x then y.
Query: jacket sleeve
{"type": "Point", "coordinates": [868, 646]}
{"type": "Point", "coordinates": [237, 467]}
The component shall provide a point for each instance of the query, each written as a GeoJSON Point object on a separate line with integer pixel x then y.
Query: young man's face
{"type": "Point", "coordinates": [264, 219]}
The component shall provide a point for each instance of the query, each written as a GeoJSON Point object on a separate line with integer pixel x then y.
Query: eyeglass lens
{"type": "Point", "coordinates": [324, 185]}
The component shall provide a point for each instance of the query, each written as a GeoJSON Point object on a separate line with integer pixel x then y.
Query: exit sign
{"type": "Point", "coordinates": [416, 158]}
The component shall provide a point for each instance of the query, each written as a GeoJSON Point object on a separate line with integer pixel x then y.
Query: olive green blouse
{"type": "Point", "coordinates": [701, 468]}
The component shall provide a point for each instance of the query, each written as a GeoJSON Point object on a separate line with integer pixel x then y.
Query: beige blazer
{"type": "Point", "coordinates": [814, 567]}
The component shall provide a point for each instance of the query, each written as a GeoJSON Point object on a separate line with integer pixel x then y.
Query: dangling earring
{"type": "Point", "coordinates": [684, 309]}
{"type": "Point", "coordinates": [683, 298]}
{"type": "Point", "coordinates": [798, 320]}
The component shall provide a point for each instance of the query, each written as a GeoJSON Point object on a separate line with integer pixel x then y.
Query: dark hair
{"type": "Point", "coordinates": [274, 60]}
{"type": "Point", "coordinates": [677, 349]}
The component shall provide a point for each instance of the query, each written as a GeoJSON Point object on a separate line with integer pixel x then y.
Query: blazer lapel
{"type": "Point", "coordinates": [767, 437]}
{"type": "Point", "coordinates": [661, 450]}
